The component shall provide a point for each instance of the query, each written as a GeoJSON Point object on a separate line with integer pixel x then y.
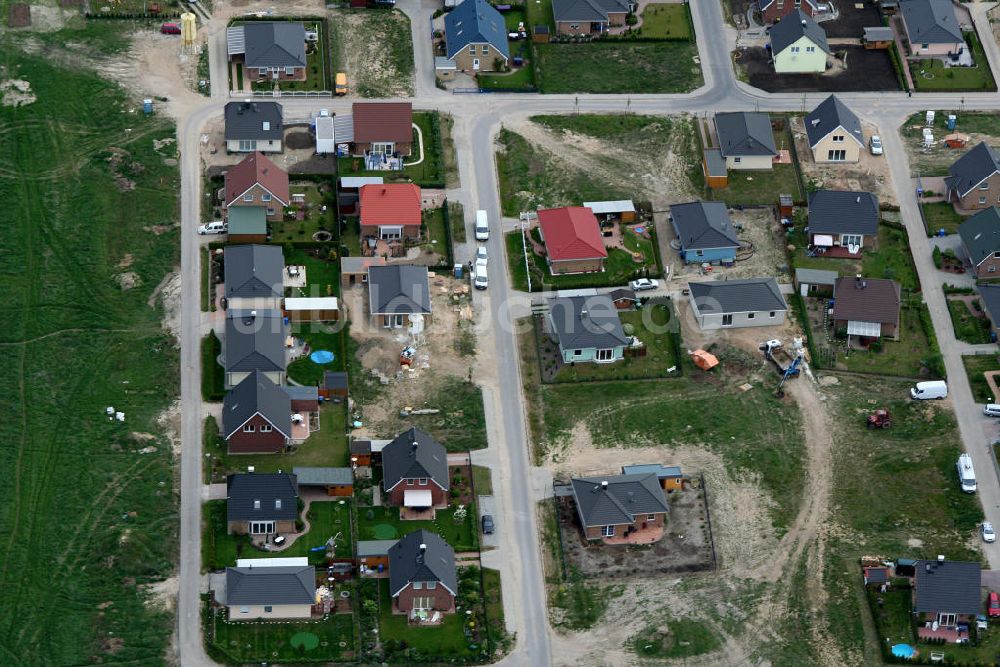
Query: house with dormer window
{"type": "Point", "coordinates": [261, 504]}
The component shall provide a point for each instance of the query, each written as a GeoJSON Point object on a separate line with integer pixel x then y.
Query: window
{"type": "Point", "coordinates": [383, 148]}
{"type": "Point", "coordinates": [431, 585]}
{"type": "Point", "coordinates": [267, 609]}
{"type": "Point", "coordinates": [248, 145]}
{"type": "Point", "coordinates": [946, 620]}
{"type": "Point", "coordinates": [270, 211]}
{"type": "Point", "coordinates": [265, 428]}
{"type": "Point", "coordinates": [248, 196]}
{"type": "Point", "coordinates": [699, 253]}
{"type": "Point", "coordinates": [727, 320]}
{"type": "Point", "coordinates": [423, 603]}
{"type": "Point", "coordinates": [411, 482]}
{"type": "Point", "coordinates": [795, 49]}
{"type": "Point", "coordinates": [781, 4]}
{"type": "Point", "coordinates": [249, 428]}
{"type": "Point", "coordinates": [810, 49]}
{"type": "Point", "coordinates": [417, 585]}
{"type": "Point", "coordinates": [992, 269]}
{"type": "Point", "coordinates": [850, 239]}
{"type": "Point", "coordinates": [737, 160]}
{"type": "Point", "coordinates": [256, 504]}
{"type": "Point", "coordinates": [798, 3]}
{"type": "Point", "coordinates": [608, 531]}
{"type": "Point", "coordinates": [244, 610]}
{"type": "Point", "coordinates": [751, 316]}
{"type": "Point", "coordinates": [262, 71]}
{"type": "Point", "coordinates": [277, 503]}
{"type": "Point", "coordinates": [290, 71]}
{"type": "Point", "coordinates": [486, 50]}
{"type": "Point", "coordinates": [773, 313]}
{"type": "Point", "coordinates": [837, 155]}
{"type": "Point", "coordinates": [996, 254]}
{"type": "Point", "coordinates": [838, 138]}
{"type": "Point", "coordinates": [577, 353]}
{"type": "Point", "coordinates": [606, 354]}
{"type": "Point", "coordinates": [261, 527]}
{"type": "Point", "coordinates": [985, 185]}
{"type": "Point", "coordinates": [472, 50]}
{"type": "Point", "coordinates": [423, 481]}
{"type": "Point", "coordinates": [924, 46]}
{"type": "Point", "coordinates": [266, 196]}
{"type": "Point", "coordinates": [650, 517]}
{"type": "Point", "coordinates": [982, 200]}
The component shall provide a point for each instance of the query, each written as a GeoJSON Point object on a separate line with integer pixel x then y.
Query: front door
{"type": "Point", "coordinates": [475, 64]}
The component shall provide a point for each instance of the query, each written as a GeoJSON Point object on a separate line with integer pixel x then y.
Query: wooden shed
{"type": "Point", "coordinates": [312, 309]}
{"type": "Point", "coordinates": [373, 556]}
{"type": "Point", "coordinates": [878, 37]}
{"type": "Point", "coordinates": [334, 384]}
{"type": "Point", "coordinates": [337, 482]}
{"type": "Point", "coordinates": [671, 478]}
{"type": "Point", "coordinates": [714, 166]}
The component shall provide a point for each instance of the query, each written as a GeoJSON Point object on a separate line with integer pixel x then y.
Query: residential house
{"type": "Point", "coordinates": [332, 481]}
{"type": "Point", "coordinates": [587, 329]}
{"type": "Point", "coordinates": [752, 302]}
{"type": "Point", "coordinates": [866, 307]}
{"type": "Point", "coordinates": [391, 211]}
{"type": "Point", "coordinates": [415, 471]}
{"type": "Point", "coordinates": [270, 588]}
{"type": "Point", "coordinates": [257, 183]}
{"type": "Point", "coordinates": [973, 180]}
{"type": "Point", "coordinates": [476, 37]}
{"type": "Point", "coordinates": [834, 132]}
{"type": "Point", "coordinates": [946, 593]}
{"type": "Point", "coordinates": [253, 278]}
{"type": "Point", "coordinates": [381, 128]}
{"type": "Point", "coordinates": [842, 218]}
{"type": "Point", "coordinates": [350, 191]}
{"type": "Point", "coordinates": [399, 296]}
{"type": "Point", "coordinates": [623, 298]}
{"type": "Point", "coordinates": [670, 477]}
{"type": "Point", "coordinates": [268, 50]}
{"type": "Point", "coordinates": [746, 140]}
{"type": "Point", "coordinates": [705, 232]}
{"type": "Point", "coordinates": [255, 341]}
{"type": "Point", "coordinates": [773, 11]}
{"type": "Point", "coordinates": [573, 240]}
{"type": "Point", "coordinates": [932, 28]}
{"type": "Point", "coordinates": [373, 556]}
{"type": "Point", "coordinates": [354, 270]}
{"type": "Point", "coordinates": [422, 577]}
{"type": "Point", "coordinates": [989, 296]}
{"type": "Point", "coordinates": [590, 17]}
{"type": "Point", "coordinates": [623, 509]}
{"type": "Point", "coordinates": [798, 45]}
{"type": "Point", "coordinates": [253, 126]}
{"type": "Point", "coordinates": [815, 282]}
{"type": "Point", "coordinates": [256, 416]}
{"type": "Point", "coordinates": [261, 503]}
{"type": "Point", "coordinates": [980, 236]}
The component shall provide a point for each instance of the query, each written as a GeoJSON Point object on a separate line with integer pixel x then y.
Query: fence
{"type": "Point", "coordinates": [288, 93]}
{"type": "Point", "coordinates": [708, 521]}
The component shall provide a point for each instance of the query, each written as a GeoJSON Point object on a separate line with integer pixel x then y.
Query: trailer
{"type": "Point", "coordinates": [786, 364]}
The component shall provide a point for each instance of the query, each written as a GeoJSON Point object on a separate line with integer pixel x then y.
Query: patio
{"type": "Point", "coordinates": [838, 252]}
{"type": "Point", "coordinates": [952, 635]}
{"type": "Point", "coordinates": [639, 536]}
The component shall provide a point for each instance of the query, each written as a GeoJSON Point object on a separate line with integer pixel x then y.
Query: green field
{"type": "Point", "coordinates": [75, 341]}
{"type": "Point", "coordinates": [385, 524]}
{"type": "Point", "coordinates": [461, 424]}
{"type": "Point", "coordinates": [665, 21]}
{"type": "Point", "coordinates": [619, 67]}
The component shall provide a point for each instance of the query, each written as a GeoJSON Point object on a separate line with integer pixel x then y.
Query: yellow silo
{"type": "Point", "coordinates": [189, 27]}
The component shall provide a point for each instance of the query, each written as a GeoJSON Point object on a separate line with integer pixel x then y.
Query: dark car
{"type": "Point", "coordinates": [487, 524]}
{"type": "Point", "coordinates": [992, 607]}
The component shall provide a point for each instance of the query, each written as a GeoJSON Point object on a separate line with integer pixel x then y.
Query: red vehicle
{"type": "Point", "coordinates": [993, 605]}
{"type": "Point", "coordinates": [170, 29]}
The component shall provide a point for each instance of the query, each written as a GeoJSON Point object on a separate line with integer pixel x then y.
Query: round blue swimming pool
{"type": "Point", "coordinates": [321, 356]}
{"type": "Point", "coordinates": [903, 651]}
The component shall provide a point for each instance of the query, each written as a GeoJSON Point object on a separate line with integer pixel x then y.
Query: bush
{"type": "Point", "coordinates": [936, 256]}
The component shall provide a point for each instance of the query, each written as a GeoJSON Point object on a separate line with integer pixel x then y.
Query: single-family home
{"type": "Point", "coordinates": [775, 10]}
{"type": "Point", "coordinates": [973, 180]}
{"type": "Point", "coordinates": [746, 139]}
{"type": "Point", "coordinates": [834, 132]}
{"type": "Point", "coordinates": [989, 296]}
{"type": "Point", "coordinates": [590, 17]}
{"type": "Point", "coordinates": [843, 218]}
{"type": "Point", "coordinates": [373, 556]}
{"type": "Point", "coordinates": [422, 577]}
{"type": "Point", "coordinates": [268, 50]}
{"type": "Point", "coordinates": [381, 128]}
{"type": "Point", "coordinates": [932, 28]}
{"type": "Point", "coordinates": [670, 477]}
{"type": "Point", "coordinates": [815, 282]}
{"type": "Point", "coordinates": [621, 509]}
{"type": "Point", "coordinates": [705, 232]}
{"type": "Point", "coordinates": [751, 302]}
{"type": "Point", "coordinates": [415, 471]}
{"type": "Point", "coordinates": [257, 416]}
{"type": "Point", "coordinates": [946, 593]}
{"type": "Point", "coordinates": [270, 588]}
{"type": "Point", "coordinates": [255, 341]}
{"type": "Point", "coordinates": [253, 126]}
{"type": "Point", "coordinates": [391, 211]}
{"type": "Point", "coordinates": [261, 503]}
{"type": "Point", "coordinates": [798, 45]}
{"type": "Point", "coordinates": [252, 277]}
{"type": "Point", "coordinates": [866, 307]}
{"type": "Point", "coordinates": [354, 270]}
{"type": "Point", "coordinates": [980, 236]}
{"type": "Point", "coordinates": [573, 240]}
{"type": "Point", "coordinates": [475, 37]}
{"type": "Point", "coordinates": [399, 296]}
{"type": "Point", "coordinates": [587, 329]}
{"type": "Point", "coordinates": [332, 481]}
{"type": "Point", "coordinates": [256, 182]}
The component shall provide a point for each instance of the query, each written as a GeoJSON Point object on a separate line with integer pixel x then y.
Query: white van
{"type": "Point", "coordinates": [991, 409]}
{"type": "Point", "coordinates": [966, 474]}
{"type": "Point", "coordinates": [482, 226]}
{"type": "Point", "coordinates": [216, 227]}
{"type": "Point", "coordinates": [481, 280]}
{"type": "Point", "coordinates": [927, 390]}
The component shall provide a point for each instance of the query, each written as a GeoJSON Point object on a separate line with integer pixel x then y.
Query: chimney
{"type": "Point", "coordinates": [413, 447]}
{"type": "Point", "coordinates": [423, 548]}
{"type": "Point", "coordinates": [253, 314]}
{"type": "Point", "coordinates": [604, 485]}
{"type": "Point", "coordinates": [803, 23]}
{"type": "Point", "coordinates": [857, 199]}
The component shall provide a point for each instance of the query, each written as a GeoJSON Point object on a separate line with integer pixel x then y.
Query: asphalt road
{"type": "Point", "coordinates": [477, 119]}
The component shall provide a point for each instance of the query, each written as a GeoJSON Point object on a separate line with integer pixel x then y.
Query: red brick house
{"type": "Point", "coordinates": [261, 504]}
{"type": "Point", "coordinates": [573, 240]}
{"type": "Point", "coordinates": [422, 577]}
{"type": "Point", "coordinates": [256, 416]}
{"type": "Point", "coordinates": [415, 471]}
{"type": "Point", "coordinates": [390, 211]}
{"type": "Point", "coordinates": [980, 236]}
{"type": "Point", "coordinates": [258, 182]}
{"type": "Point", "coordinates": [621, 509]}
{"type": "Point", "coordinates": [775, 10]}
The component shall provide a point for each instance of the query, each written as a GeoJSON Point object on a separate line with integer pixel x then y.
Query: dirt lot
{"type": "Point", "coordinates": [871, 174]}
{"type": "Point", "coordinates": [298, 157]}
{"type": "Point", "coordinates": [852, 19]}
{"type": "Point", "coordinates": [867, 71]}
{"type": "Point", "coordinates": [935, 161]}
{"type": "Point", "coordinates": [374, 49]}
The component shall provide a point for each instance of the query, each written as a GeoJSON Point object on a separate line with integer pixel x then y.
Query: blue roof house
{"type": "Point", "coordinates": [475, 37]}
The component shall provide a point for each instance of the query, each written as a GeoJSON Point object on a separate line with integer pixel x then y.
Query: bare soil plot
{"type": "Point", "coordinates": [866, 70]}
{"type": "Point", "coordinates": [852, 19]}
{"type": "Point", "coordinates": [934, 161]}
{"type": "Point", "coordinates": [374, 49]}
{"type": "Point", "coordinates": [19, 15]}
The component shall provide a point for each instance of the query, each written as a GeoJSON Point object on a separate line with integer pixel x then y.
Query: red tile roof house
{"type": "Point", "coordinates": [573, 240]}
{"type": "Point", "coordinates": [775, 10]}
{"type": "Point", "coordinates": [390, 212]}
{"type": "Point", "coordinates": [257, 181]}
{"type": "Point", "coordinates": [382, 128]}
{"type": "Point", "coordinates": [415, 472]}
{"type": "Point", "coordinates": [423, 580]}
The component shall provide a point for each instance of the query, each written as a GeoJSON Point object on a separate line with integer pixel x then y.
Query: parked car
{"type": "Point", "coordinates": [991, 409]}
{"type": "Point", "coordinates": [643, 284]}
{"type": "Point", "coordinates": [876, 144]}
{"type": "Point", "coordinates": [993, 607]}
{"type": "Point", "coordinates": [989, 535]}
{"type": "Point", "coordinates": [488, 526]}
{"type": "Point", "coordinates": [217, 227]}
{"type": "Point", "coordinates": [170, 29]}
{"type": "Point", "coordinates": [481, 279]}
{"type": "Point", "coordinates": [481, 254]}
{"type": "Point", "coordinates": [482, 226]}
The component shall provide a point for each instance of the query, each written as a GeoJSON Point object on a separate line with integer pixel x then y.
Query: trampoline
{"type": "Point", "coordinates": [321, 356]}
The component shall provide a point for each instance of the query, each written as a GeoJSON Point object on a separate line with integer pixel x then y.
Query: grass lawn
{"type": "Point", "coordinates": [456, 214]}
{"type": "Point", "coordinates": [931, 74]}
{"type": "Point", "coordinates": [319, 336]}
{"type": "Point", "coordinates": [752, 188]}
{"type": "Point", "coordinates": [519, 78]}
{"type": "Point", "coordinates": [322, 274]}
{"type": "Point", "coordinates": [213, 375]}
{"type": "Point", "coordinates": [975, 366]}
{"type": "Point", "coordinates": [429, 173]}
{"type": "Point", "coordinates": [437, 237]}
{"type": "Point", "coordinates": [385, 524]}
{"type": "Point", "coordinates": [890, 260]}
{"type": "Point", "coordinates": [314, 219]}
{"type": "Point", "coordinates": [493, 600]}
{"type": "Point", "coordinates": [350, 235]}
{"type": "Point", "coordinates": [461, 424]}
{"type": "Point", "coordinates": [540, 13]}
{"type": "Point", "coordinates": [482, 480]}
{"type": "Point", "coordinates": [445, 639]}
{"type": "Point", "coordinates": [665, 21]}
{"type": "Point", "coordinates": [252, 642]}
{"type": "Point", "coordinates": [968, 327]}
{"type": "Point", "coordinates": [686, 638]}
{"type": "Point", "coordinates": [941, 215]}
{"type": "Point", "coordinates": [618, 67]}
{"type": "Point", "coordinates": [206, 287]}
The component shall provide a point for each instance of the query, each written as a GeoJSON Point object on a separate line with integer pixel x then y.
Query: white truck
{"type": "Point", "coordinates": [966, 474]}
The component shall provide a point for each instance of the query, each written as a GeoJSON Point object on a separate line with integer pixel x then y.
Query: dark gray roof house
{"type": "Point", "coordinates": [990, 296]}
{"type": "Point", "coordinates": [947, 586]}
{"type": "Point", "coordinates": [414, 454]}
{"type": "Point", "coordinates": [398, 290]}
{"type": "Point", "coordinates": [792, 28]}
{"type": "Point", "coordinates": [617, 499]}
{"type": "Point", "coordinates": [256, 395]}
{"type": "Point", "coordinates": [254, 120]}
{"type": "Point", "coordinates": [830, 115]}
{"type": "Point", "coordinates": [268, 43]}
{"type": "Point", "coordinates": [745, 133]}
{"type": "Point", "coordinates": [475, 22]}
{"type": "Point", "coordinates": [930, 21]}
{"type": "Point", "coordinates": [980, 235]}
{"type": "Point", "coordinates": [422, 556]}
{"type": "Point", "coordinates": [271, 585]}
{"type": "Point", "coordinates": [737, 296]}
{"type": "Point", "coordinates": [843, 212]}
{"type": "Point", "coordinates": [583, 322]}
{"type": "Point", "coordinates": [261, 496]}
{"type": "Point", "coordinates": [584, 11]}
{"type": "Point", "coordinates": [255, 341]}
{"type": "Point", "coordinates": [703, 225]}
{"type": "Point", "coordinates": [253, 271]}
{"type": "Point", "coordinates": [967, 172]}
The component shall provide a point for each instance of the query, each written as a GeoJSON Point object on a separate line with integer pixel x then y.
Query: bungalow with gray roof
{"type": "Point", "coordinates": [723, 304]}
{"type": "Point", "coordinates": [621, 509]}
{"type": "Point", "coordinates": [276, 588]}
{"type": "Point", "coordinates": [268, 50]}
{"type": "Point", "coordinates": [932, 28]}
{"type": "Point", "coordinates": [399, 295]}
{"type": "Point", "coordinates": [253, 277]}
{"type": "Point", "coordinates": [705, 232]}
{"type": "Point", "coordinates": [253, 126]}
{"type": "Point", "coordinates": [254, 341]}
{"type": "Point", "coordinates": [746, 139]}
{"type": "Point", "coordinates": [980, 236]}
{"type": "Point", "coordinates": [947, 594]}
{"type": "Point", "coordinates": [989, 296]}
{"type": "Point", "coordinates": [590, 17]}
{"type": "Point", "coordinates": [844, 219]}
{"type": "Point", "coordinates": [587, 329]}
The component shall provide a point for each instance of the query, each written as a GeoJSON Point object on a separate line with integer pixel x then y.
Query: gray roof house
{"type": "Point", "coordinates": [414, 454]}
{"type": "Point", "coordinates": [971, 170]}
{"type": "Point", "coordinates": [745, 139]}
{"type": "Point", "coordinates": [270, 586]}
{"type": "Point", "coordinates": [253, 276]}
{"type": "Point", "coordinates": [947, 586]}
{"type": "Point", "coordinates": [930, 22]}
{"type": "Point", "coordinates": [990, 296]}
{"type": "Point", "coordinates": [828, 117]}
{"type": "Point", "coordinates": [422, 557]}
{"type": "Point", "coordinates": [261, 497]}
{"type": "Point", "coordinates": [617, 500]}
{"type": "Point", "coordinates": [254, 122]}
{"type": "Point", "coordinates": [594, 14]}
{"type": "Point", "coordinates": [255, 341]}
{"type": "Point", "coordinates": [587, 328]}
{"type": "Point", "coordinates": [268, 43]}
{"type": "Point", "coordinates": [398, 290]}
{"type": "Point", "coordinates": [256, 395]}
{"type": "Point", "coordinates": [843, 217]}
{"type": "Point", "coordinates": [794, 27]}
{"type": "Point", "coordinates": [980, 235]}
{"type": "Point", "coordinates": [475, 22]}
{"type": "Point", "coordinates": [705, 232]}
{"type": "Point", "coordinates": [752, 302]}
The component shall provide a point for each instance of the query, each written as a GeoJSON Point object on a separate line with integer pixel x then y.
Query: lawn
{"type": "Point", "coordinates": [975, 366]}
{"type": "Point", "coordinates": [461, 424]}
{"type": "Point", "coordinates": [891, 259]}
{"type": "Point", "coordinates": [213, 375]}
{"type": "Point", "coordinates": [665, 21]}
{"type": "Point", "coordinates": [752, 188]}
{"type": "Point", "coordinates": [931, 75]}
{"type": "Point", "coordinates": [318, 336]}
{"type": "Point", "coordinates": [941, 215]}
{"type": "Point", "coordinates": [428, 174]}
{"type": "Point", "coordinates": [76, 342]}
{"type": "Point", "coordinates": [540, 13]}
{"type": "Point", "coordinates": [383, 523]}
{"type": "Point", "coordinates": [618, 67]}
{"type": "Point", "coordinates": [374, 49]}
{"type": "Point", "coordinates": [519, 78]}
{"type": "Point", "coordinates": [314, 218]}
{"type": "Point", "coordinates": [482, 480]}
{"type": "Point", "coordinates": [413, 643]}
{"type": "Point", "coordinates": [968, 327]}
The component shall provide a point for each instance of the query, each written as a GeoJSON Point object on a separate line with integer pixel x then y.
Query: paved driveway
{"type": "Point", "coordinates": [488, 505]}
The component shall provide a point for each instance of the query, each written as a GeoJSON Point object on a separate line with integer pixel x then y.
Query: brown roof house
{"type": "Point", "coordinates": [256, 182]}
{"type": "Point", "coordinates": [621, 509]}
{"type": "Point", "coordinates": [261, 505]}
{"type": "Point", "coordinates": [381, 128]}
{"type": "Point", "coordinates": [257, 416]}
{"type": "Point", "coordinates": [423, 580]}
{"type": "Point", "coordinates": [866, 307]}
{"type": "Point", "coordinates": [415, 473]}
{"type": "Point", "coordinates": [973, 180]}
